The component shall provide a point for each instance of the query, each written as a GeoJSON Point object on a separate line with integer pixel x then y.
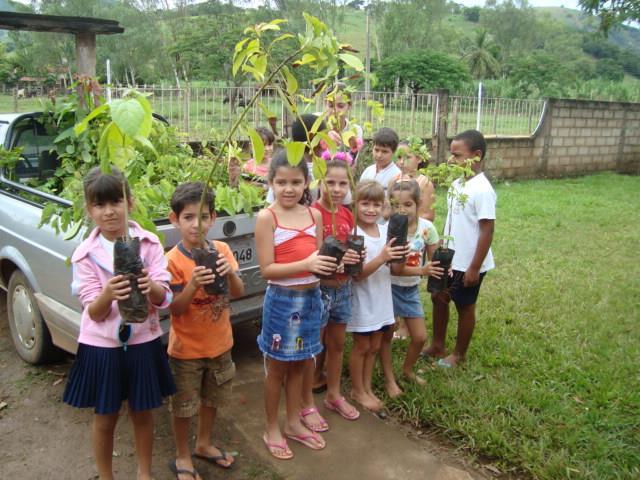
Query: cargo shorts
{"type": "Point", "coordinates": [201, 381]}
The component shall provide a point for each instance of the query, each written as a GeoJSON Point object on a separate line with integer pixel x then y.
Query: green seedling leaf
{"type": "Point", "coordinates": [128, 115]}
{"type": "Point", "coordinates": [319, 168]}
{"type": "Point", "coordinates": [291, 81]}
{"type": "Point", "coordinates": [75, 229]}
{"type": "Point", "coordinates": [351, 60]}
{"type": "Point", "coordinates": [82, 126]}
{"type": "Point", "coordinates": [69, 132]}
{"type": "Point", "coordinates": [281, 38]}
{"type": "Point", "coordinates": [295, 152]}
{"type": "Point", "coordinates": [257, 145]}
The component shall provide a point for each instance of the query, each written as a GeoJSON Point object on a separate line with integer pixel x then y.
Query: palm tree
{"type": "Point", "coordinates": [481, 56]}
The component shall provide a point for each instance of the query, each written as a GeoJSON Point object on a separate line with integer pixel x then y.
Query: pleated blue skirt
{"type": "Point", "coordinates": [103, 378]}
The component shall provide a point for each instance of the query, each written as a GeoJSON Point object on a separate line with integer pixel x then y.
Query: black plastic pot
{"type": "Point", "coordinates": [398, 228]}
{"type": "Point", "coordinates": [208, 257]}
{"type": "Point", "coordinates": [127, 262]}
{"type": "Point", "coordinates": [332, 247]}
{"type": "Point", "coordinates": [445, 257]}
{"type": "Point", "coordinates": [356, 243]}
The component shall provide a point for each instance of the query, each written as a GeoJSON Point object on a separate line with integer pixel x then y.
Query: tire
{"type": "Point", "coordinates": [29, 333]}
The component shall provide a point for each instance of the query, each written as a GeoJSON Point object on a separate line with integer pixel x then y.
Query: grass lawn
{"type": "Point", "coordinates": [551, 386]}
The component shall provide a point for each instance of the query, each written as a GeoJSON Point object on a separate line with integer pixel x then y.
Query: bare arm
{"type": "Point", "coordinates": [427, 199]}
{"type": "Point", "coordinates": [472, 275]}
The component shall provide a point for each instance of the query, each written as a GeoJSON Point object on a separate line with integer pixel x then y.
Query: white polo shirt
{"type": "Point", "coordinates": [383, 176]}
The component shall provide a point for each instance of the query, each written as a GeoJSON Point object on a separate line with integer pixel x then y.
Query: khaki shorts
{"type": "Point", "coordinates": [205, 381]}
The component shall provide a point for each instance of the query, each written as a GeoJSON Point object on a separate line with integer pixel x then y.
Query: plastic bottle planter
{"type": "Point", "coordinates": [208, 257]}
{"type": "Point", "coordinates": [355, 243]}
{"type": "Point", "coordinates": [332, 247]}
{"type": "Point", "coordinates": [445, 257]}
{"type": "Point", "coordinates": [127, 262]}
{"type": "Point", "coordinates": [398, 228]}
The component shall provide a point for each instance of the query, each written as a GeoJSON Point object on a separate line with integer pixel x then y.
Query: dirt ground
{"type": "Point", "coordinates": [40, 437]}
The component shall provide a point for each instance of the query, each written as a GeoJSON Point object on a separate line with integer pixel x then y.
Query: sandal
{"type": "Point", "coordinates": [322, 427]}
{"type": "Point", "coordinates": [173, 466]}
{"type": "Point", "coordinates": [281, 451]}
{"type": "Point", "coordinates": [217, 459]}
{"type": "Point", "coordinates": [311, 440]}
{"type": "Point", "coordinates": [339, 406]}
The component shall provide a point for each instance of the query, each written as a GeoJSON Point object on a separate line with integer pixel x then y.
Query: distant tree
{"type": "Point", "coordinates": [480, 56]}
{"type": "Point", "coordinates": [412, 25]}
{"type": "Point", "coordinates": [422, 71]}
{"type": "Point", "coordinates": [513, 26]}
{"type": "Point", "coordinates": [609, 69]}
{"type": "Point", "coordinates": [537, 74]}
{"type": "Point", "coordinates": [471, 14]}
{"type": "Point", "coordinates": [612, 12]}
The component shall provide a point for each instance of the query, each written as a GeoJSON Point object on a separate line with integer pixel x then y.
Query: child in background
{"type": "Point", "coordinates": [385, 143]}
{"type": "Point", "coordinates": [472, 224]}
{"type": "Point", "coordinates": [409, 162]}
{"type": "Point", "coordinates": [405, 279]}
{"type": "Point", "coordinates": [372, 307]}
{"type": "Point", "coordinates": [200, 337]}
{"type": "Point", "coordinates": [117, 361]}
{"type": "Point", "coordinates": [288, 236]}
{"type": "Point", "coordinates": [343, 132]}
{"type": "Point", "coordinates": [261, 170]}
{"type": "Point", "coordinates": [299, 129]}
{"type": "Point", "coordinates": [336, 291]}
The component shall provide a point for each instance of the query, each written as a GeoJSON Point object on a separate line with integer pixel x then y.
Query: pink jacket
{"type": "Point", "coordinates": [92, 269]}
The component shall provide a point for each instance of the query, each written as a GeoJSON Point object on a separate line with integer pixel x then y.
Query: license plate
{"type": "Point", "coordinates": [243, 251]}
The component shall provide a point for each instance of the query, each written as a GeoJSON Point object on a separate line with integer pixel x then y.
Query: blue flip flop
{"type": "Point", "coordinates": [442, 364]}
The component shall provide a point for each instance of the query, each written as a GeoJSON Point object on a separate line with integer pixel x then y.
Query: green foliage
{"type": "Point", "coordinates": [422, 71]}
{"type": "Point", "coordinates": [549, 389]}
{"type": "Point", "coordinates": [609, 69]}
{"type": "Point", "coordinates": [9, 160]}
{"type": "Point", "coordinates": [612, 12]}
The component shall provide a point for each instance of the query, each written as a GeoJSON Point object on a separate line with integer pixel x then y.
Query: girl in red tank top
{"type": "Point", "coordinates": [288, 236]}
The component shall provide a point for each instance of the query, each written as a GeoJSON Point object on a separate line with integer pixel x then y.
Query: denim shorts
{"type": "Point", "coordinates": [406, 302]}
{"type": "Point", "coordinates": [291, 322]}
{"type": "Point", "coordinates": [337, 304]}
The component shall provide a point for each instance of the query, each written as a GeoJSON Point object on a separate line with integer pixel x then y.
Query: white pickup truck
{"type": "Point", "coordinates": [43, 316]}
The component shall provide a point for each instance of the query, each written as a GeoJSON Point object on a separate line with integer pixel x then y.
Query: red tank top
{"type": "Point", "coordinates": [292, 244]}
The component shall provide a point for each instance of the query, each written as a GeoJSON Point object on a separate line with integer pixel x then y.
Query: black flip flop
{"type": "Point", "coordinates": [214, 459]}
{"type": "Point", "coordinates": [181, 471]}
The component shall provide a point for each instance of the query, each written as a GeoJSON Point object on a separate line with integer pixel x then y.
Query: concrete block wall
{"type": "Point", "coordinates": [574, 137]}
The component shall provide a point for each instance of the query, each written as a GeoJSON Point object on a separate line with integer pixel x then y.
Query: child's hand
{"type": "Point", "coordinates": [471, 277]}
{"type": "Point", "coordinates": [223, 266]}
{"type": "Point", "coordinates": [144, 282]}
{"type": "Point", "coordinates": [431, 270]}
{"type": "Point", "coordinates": [391, 252]}
{"type": "Point", "coordinates": [117, 288]}
{"type": "Point", "coordinates": [351, 257]}
{"type": "Point", "coordinates": [201, 276]}
{"type": "Point", "coordinates": [321, 264]}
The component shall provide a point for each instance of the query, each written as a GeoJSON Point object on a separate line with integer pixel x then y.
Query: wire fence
{"type": "Point", "coordinates": [200, 111]}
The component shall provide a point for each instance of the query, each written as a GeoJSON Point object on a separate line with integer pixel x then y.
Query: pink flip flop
{"type": "Point", "coordinates": [338, 406]}
{"type": "Point", "coordinates": [280, 451]}
{"type": "Point", "coordinates": [323, 427]}
{"type": "Point", "coordinates": [306, 438]}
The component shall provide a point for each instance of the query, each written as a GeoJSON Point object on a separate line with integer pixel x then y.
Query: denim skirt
{"type": "Point", "coordinates": [291, 322]}
{"type": "Point", "coordinates": [102, 378]}
{"type": "Point", "coordinates": [406, 302]}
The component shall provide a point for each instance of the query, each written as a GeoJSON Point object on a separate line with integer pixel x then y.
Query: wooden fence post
{"type": "Point", "coordinates": [439, 141]}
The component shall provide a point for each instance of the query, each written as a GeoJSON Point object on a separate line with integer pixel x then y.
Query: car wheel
{"type": "Point", "coordinates": [28, 331]}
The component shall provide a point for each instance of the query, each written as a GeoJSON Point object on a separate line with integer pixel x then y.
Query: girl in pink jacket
{"type": "Point", "coordinates": [117, 361]}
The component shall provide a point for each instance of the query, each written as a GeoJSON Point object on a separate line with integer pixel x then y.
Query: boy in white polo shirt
{"type": "Point", "coordinates": [472, 225]}
{"type": "Point", "coordinates": [385, 144]}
